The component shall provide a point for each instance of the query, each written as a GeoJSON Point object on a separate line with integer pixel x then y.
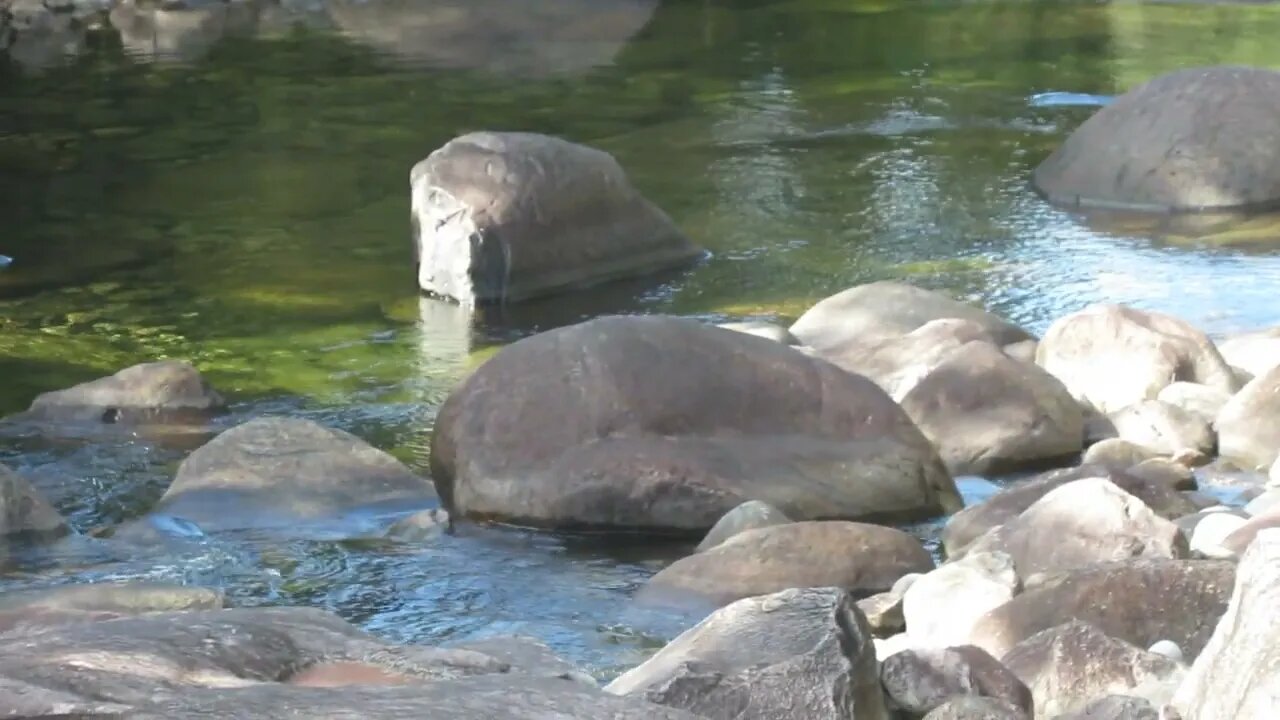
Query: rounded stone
{"type": "Point", "coordinates": [1195, 139]}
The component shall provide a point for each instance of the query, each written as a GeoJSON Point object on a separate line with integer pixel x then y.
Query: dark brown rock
{"type": "Point", "coordinates": [665, 424]}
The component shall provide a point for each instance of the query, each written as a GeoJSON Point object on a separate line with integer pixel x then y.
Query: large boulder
{"type": "Point", "coordinates": [988, 413]}
{"type": "Point", "coordinates": [1068, 666]}
{"type": "Point", "coordinates": [966, 526]}
{"type": "Point", "coordinates": [277, 471]}
{"type": "Point", "coordinates": [868, 314]}
{"type": "Point", "coordinates": [1138, 601]}
{"type": "Point", "coordinates": [24, 514]}
{"type": "Point", "coordinates": [1083, 523]}
{"type": "Point", "coordinates": [860, 558]}
{"type": "Point", "coordinates": [1249, 424]}
{"type": "Point", "coordinates": [797, 653]}
{"type": "Point", "coordinates": [1237, 677]}
{"type": "Point", "coordinates": [1112, 356]}
{"type": "Point", "coordinates": [510, 216]}
{"type": "Point", "coordinates": [165, 390]}
{"type": "Point", "coordinates": [666, 424]}
{"type": "Point", "coordinates": [1194, 139]}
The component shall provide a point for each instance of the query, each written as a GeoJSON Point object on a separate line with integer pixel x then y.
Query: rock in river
{"type": "Point", "coordinates": [940, 607]}
{"type": "Point", "coordinates": [276, 471]}
{"type": "Point", "coordinates": [750, 515]}
{"type": "Point", "coordinates": [666, 424]}
{"type": "Point", "coordinates": [863, 559]}
{"type": "Point", "coordinates": [1237, 677]}
{"type": "Point", "coordinates": [509, 216]}
{"type": "Point", "coordinates": [863, 316]}
{"type": "Point", "coordinates": [24, 513]}
{"type": "Point", "coordinates": [1193, 139]}
{"type": "Point", "coordinates": [1249, 424]}
{"type": "Point", "coordinates": [793, 654]}
{"type": "Point", "coordinates": [1112, 356]}
{"type": "Point", "coordinates": [161, 390]}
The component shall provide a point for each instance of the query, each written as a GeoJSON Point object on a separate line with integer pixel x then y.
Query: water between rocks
{"type": "Point", "coordinates": [242, 203]}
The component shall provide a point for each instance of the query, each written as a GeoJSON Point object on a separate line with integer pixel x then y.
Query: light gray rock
{"type": "Point", "coordinates": [919, 681]}
{"type": "Point", "coordinates": [1268, 501]}
{"type": "Point", "coordinates": [506, 216]}
{"type": "Point", "coordinates": [1237, 677]}
{"type": "Point", "coordinates": [165, 390]}
{"type": "Point", "coordinates": [1242, 537]}
{"type": "Point", "coordinates": [1168, 649]}
{"type": "Point", "coordinates": [1249, 424]}
{"type": "Point", "coordinates": [277, 471]}
{"type": "Point", "coordinates": [861, 558]}
{"type": "Point", "coordinates": [878, 311]}
{"type": "Point", "coordinates": [1138, 601]}
{"type": "Point", "coordinates": [1202, 401]}
{"type": "Point", "coordinates": [1115, 707]}
{"type": "Point", "coordinates": [420, 526]}
{"type": "Point", "coordinates": [1211, 532]}
{"type": "Point", "coordinates": [666, 424]}
{"type": "Point", "coordinates": [941, 607]}
{"type": "Point", "coordinates": [884, 613]}
{"type": "Point", "coordinates": [1112, 356]}
{"type": "Point", "coordinates": [750, 515]}
{"type": "Point", "coordinates": [1192, 139]}
{"type": "Point", "coordinates": [972, 707]}
{"type": "Point", "coordinates": [1162, 428]}
{"type": "Point", "coordinates": [1068, 666]}
{"type": "Point", "coordinates": [798, 653]}
{"type": "Point", "coordinates": [1083, 523]}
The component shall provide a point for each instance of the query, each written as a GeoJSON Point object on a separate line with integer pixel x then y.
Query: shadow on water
{"type": "Point", "coordinates": [229, 185]}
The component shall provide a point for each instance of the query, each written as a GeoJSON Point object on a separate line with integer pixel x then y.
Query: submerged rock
{"type": "Point", "coordinates": [24, 514]}
{"type": "Point", "coordinates": [511, 216]}
{"type": "Point", "coordinates": [1194, 139]}
{"type": "Point", "coordinates": [666, 424]}
{"type": "Point", "coordinates": [277, 471]}
{"type": "Point", "coordinates": [1112, 356]}
{"type": "Point", "coordinates": [860, 558]}
{"type": "Point", "coordinates": [797, 653]}
{"type": "Point", "coordinates": [165, 390]}
{"type": "Point", "coordinates": [1237, 677]}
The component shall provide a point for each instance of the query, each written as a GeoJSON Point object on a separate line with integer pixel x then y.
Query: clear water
{"type": "Point", "coordinates": [242, 201]}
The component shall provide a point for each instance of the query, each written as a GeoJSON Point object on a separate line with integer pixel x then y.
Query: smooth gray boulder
{"type": "Point", "coordinates": [1249, 424]}
{"type": "Point", "coordinates": [665, 424]}
{"type": "Point", "coordinates": [508, 216]}
{"type": "Point", "coordinates": [941, 606]}
{"type": "Point", "coordinates": [1202, 401]}
{"type": "Point", "coordinates": [867, 314]}
{"type": "Point", "coordinates": [1116, 454]}
{"type": "Point", "coordinates": [165, 390]}
{"type": "Point", "coordinates": [1193, 139]}
{"type": "Point", "coordinates": [861, 558]}
{"type": "Point", "coordinates": [797, 653]}
{"type": "Point", "coordinates": [1068, 666]}
{"type": "Point", "coordinates": [1254, 352]}
{"type": "Point", "coordinates": [277, 471]}
{"type": "Point", "coordinates": [750, 515]}
{"type": "Point", "coordinates": [1237, 676]}
{"type": "Point", "coordinates": [974, 707]}
{"type": "Point", "coordinates": [989, 413]}
{"type": "Point", "coordinates": [1112, 356]}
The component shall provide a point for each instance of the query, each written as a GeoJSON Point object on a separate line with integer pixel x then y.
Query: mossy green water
{"type": "Point", "coordinates": [248, 210]}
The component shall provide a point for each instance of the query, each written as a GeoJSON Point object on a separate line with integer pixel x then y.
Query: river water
{"type": "Point", "coordinates": [242, 201]}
